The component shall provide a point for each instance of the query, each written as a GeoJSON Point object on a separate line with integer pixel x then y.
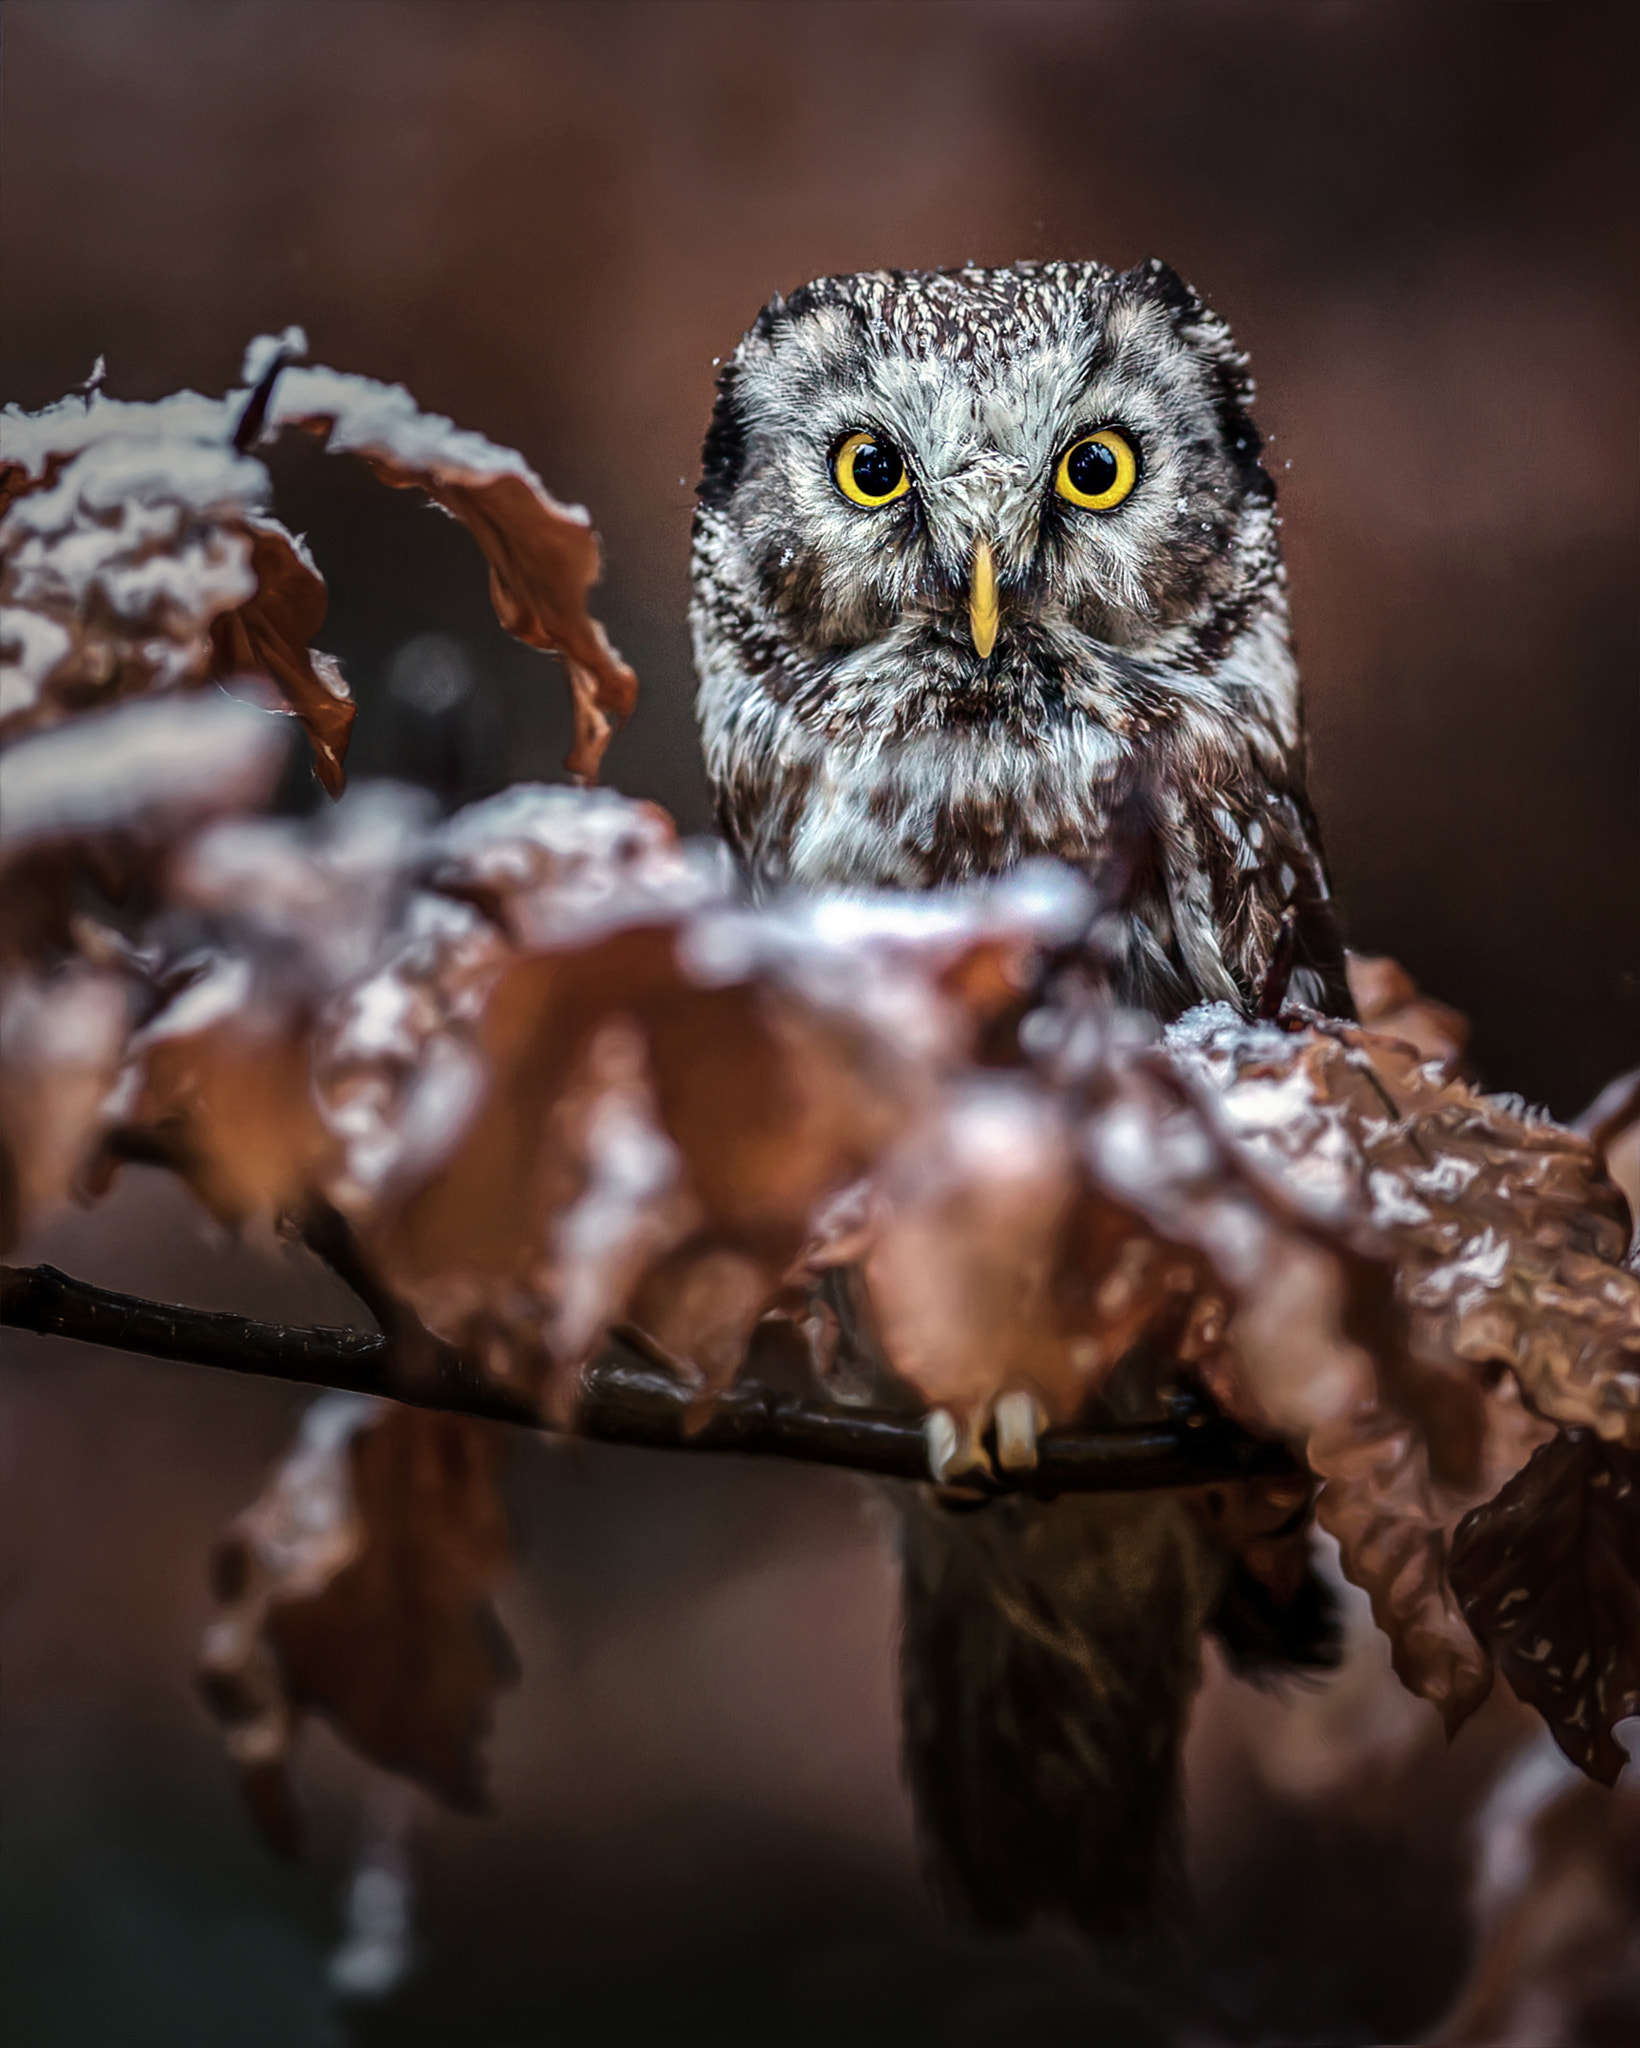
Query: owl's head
{"type": "Point", "coordinates": [989, 476]}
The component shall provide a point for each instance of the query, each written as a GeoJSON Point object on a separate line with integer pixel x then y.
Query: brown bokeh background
{"type": "Point", "coordinates": [548, 220]}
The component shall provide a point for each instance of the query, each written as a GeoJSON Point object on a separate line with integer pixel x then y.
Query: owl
{"type": "Point", "coordinates": [986, 567]}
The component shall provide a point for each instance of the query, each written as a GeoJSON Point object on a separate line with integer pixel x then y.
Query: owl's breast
{"type": "Point", "coordinates": [1193, 862]}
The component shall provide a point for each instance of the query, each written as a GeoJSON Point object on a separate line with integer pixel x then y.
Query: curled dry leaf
{"type": "Point", "coordinates": [546, 1064]}
{"type": "Point", "coordinates": [94, 803]}
{"type": "Point", "coordinates": [278, 918]}
{"type": "Point", "coordinates": [974, 1208]}
{"type": "Point", "coordinates": [1549, 1576]}
{"type": "Point", "coordinates": [271, 634]}
{"type": "Point", "coordinates": [1501, 1237]}
{"type": "Point", "coordinates": [1505, 1236]}
{"type": "Point", "coordinates": [137, 554]}
{"type": "Point", "coordinates": [62, 1038]}
{"type": "Point", "coordinates": [1390, 1003]}
{"type": "Point", "coordinates": [543, 556]}
{"type": "Point", "coordinates": [135, 558]}
{"type": "Point", "coordinates": [674, 1087]}
{"type": "Point", "coordinates": [358, 1587]}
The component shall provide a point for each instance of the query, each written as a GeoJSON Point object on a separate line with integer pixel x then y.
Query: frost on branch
{"type": "Point", "coordinates": [358, 1587]}
{"type": "Point", "coordinates": [543, 556]}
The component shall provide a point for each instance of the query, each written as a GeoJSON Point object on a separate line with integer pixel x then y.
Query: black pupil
{"type": "Point", "coordinates": [1092, 468]}
{"type": "Point", "coordinates": [877, 469]}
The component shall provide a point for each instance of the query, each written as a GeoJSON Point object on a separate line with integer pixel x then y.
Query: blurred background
{"type": "Point", "coordinates": [549, 220]}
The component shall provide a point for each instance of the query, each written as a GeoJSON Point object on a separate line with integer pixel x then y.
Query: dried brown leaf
{"type": "Point", "coordinates": [271, 633]}
{"type": "Point", "coordinates": [358, 1587]}
{"type": "Point", "coordinates": [102, 800]}
{"type": "Point", "coordinates": [135, 559]}
{"type": "Point", "coordinates": [1502, 1237]}
{"type": "Point", "coordinates": [1549, 1577]}
{"type": "Point", "coordinates": [543, 556]}
{"type": "Point", "coordinates": [62, 1039]}
{"type": "Point", "coordinates": [136, 556]}
{"type": "Point", "coordinates": [1389, 1002]}
{"type": "Point", "coordinates": [974, 1208]}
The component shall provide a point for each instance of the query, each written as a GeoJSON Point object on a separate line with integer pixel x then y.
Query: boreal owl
{"type": "Point", "coordinates": [986, 567]}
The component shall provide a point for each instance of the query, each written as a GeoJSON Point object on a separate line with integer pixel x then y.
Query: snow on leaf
{"type": "Point", "coordinates": [136, 553]}
{"type": "Point", "coordinates": [1501, 1239]}
{"type": "Point", "coordinates": [135, 558]}
{"type": "Point", "coordinates": [218, 1083]}
{"type": "Point", "coordinates": [543, 556]}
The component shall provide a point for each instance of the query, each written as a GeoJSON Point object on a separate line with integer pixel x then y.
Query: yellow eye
{"type": "Point", "coordinates": [1098, 471]}
{"type": "Point", "coordinates": [870, 471]}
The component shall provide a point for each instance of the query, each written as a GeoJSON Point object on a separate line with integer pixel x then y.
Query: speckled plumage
{"type": "Point", "coordinates": [1139, 717]}
{"type": "Point", "coordinates": [1140, 713]}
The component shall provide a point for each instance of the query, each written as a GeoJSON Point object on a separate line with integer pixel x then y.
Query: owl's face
{"type": "Point", "coordinates": [879, 437]}
{"type": "Point", "coordinates": [974, 547]}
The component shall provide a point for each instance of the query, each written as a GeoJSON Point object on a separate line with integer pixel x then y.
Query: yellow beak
{"type": "Point", "coordinates": [982, 600]}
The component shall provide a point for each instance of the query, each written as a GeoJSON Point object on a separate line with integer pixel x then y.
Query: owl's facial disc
{"type": "Point", "coordinates": [1032, 494]}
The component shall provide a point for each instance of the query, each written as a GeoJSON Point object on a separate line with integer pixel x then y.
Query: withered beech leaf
{"type": "Point", "coordinates": [1502, 1240]}
{"type": "Point", "coordinates": [587, 1085]}
{"type": "Point", "coordinates": [135, 558]}
{"type": "Point", "coordinates": [1505, 1237]}
{"type": "Point", "coordinates": [1390, 1003]}
{"type": "Point", "coordinates": [218, 1083]}
{"type": "Point", "coordinates": [973, 1210]}
{"type": "Point", "coordinates": [62, 1038]}
{"type": "Point", "coordinates": [1549, 1577]}
{"type": "Point", "coordinates": [91, 806]}
{"type": "Point", "coordinates": [358, 1587]}
{"type": "Point", "coordinates": [544, 557]}
{"type": "Point", "coordinates": [271, 634]}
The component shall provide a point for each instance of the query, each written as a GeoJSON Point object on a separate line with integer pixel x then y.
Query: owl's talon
{"type": "Point", "coordinates": [953, 1447]}
{"type": "Point", "coordinates": [1018, 1418]}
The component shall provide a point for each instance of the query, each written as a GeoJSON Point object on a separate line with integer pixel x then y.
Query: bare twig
{"type": "Point", "coordinates": [627, 1399]}
{"type": "Point", "coordinates": [360, 1361]}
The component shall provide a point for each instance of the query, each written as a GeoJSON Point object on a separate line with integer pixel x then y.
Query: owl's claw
{"type": "Point", "coordinates": [954, 1446]}
{"type": "Point", "coordinates": [956, 1443]}
{"type": "Point", "coordinates": [1018, 1418]}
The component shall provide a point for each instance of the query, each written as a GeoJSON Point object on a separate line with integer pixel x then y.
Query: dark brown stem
{"type": "Point", "coordinates": [627, 1399]}
{"type": "Point", "coordinates": [1283, 959]}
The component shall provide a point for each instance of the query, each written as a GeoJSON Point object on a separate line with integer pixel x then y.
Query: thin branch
{"type": "Point", "coordinates": [626, 1399]}
{"type": "Point", "coordinates": [55, 1304]}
